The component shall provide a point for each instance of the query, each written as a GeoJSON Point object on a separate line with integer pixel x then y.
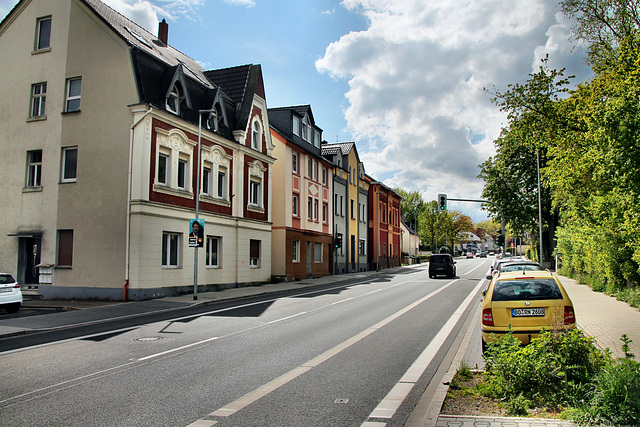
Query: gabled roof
{"type": "Point", "coordinates": [138, 37]}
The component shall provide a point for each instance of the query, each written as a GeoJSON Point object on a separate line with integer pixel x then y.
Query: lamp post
{"type": "Point", "coordinates": [198, 174]}
{"type": "Point", "coordinates": [539, 204]}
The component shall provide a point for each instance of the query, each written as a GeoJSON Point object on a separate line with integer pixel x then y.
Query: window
{"type": "Point", "coordinates": [255, 140]}
{"type": "Point", "coordinates": [170, 249]}
{"type": "Point", "coordinates": [315, 171]}
{"type": "Point", "coordinates": [316, 138]}
{"type": "Point", "coordinates": [294, 162]}
{"type": "Point", "coordinates": [254, 193]}
{"type": "Point", "coordinates": [324, 176]}
{"type": "Point", "coordinates": [65, 248]}
{"type": "Point", "coordinates": [315, 209]}
{"type": "Point", "coordinates": [341, 205]}
{"type": "Point", "coordinates": [43, 35]}
{"type": "Point", "coordinates": [34, 168]}
{"type": "Point", "coordinates": [38, 99]}
{"type": "Point", "coordinates": [222, 183]}
{"type": "Point", "coordinates": [173, 100]}
{"type": "Point", "coordinates": [69, 164]}
{"type": "Point", "coordinates": [325, 212]}
{"type": "Point", "coordinates": [317, 252]}
{"type": "Point", "coordinates": [296, 126]}
{"type": "Point", "coordinates": [309, 208]}
{"type": "Point", "coordinates": [310, 168]}
{"type": "Point", "coordinates": [353, 209]}
{"type": "Point", "coordinates": [254, 253]}
{"type": "Point", "coordinates": [295, 251]}
{"type": "Point", "coordinates": [362, 245]}
{"type": "Point", "coordinates": [206, 181]}
{"type": "Point", "coordinates": [296, 203]}
{"type": "Point", "coordinates": [74, 88]}
{"type": "Point", "coordinates": [212, 255]}
{"type": "Point", "coordinates": [182, 174]}
{"type": "Point", "coordinates": [163, 169]}
{"type": "Point", "coordinates": [335, 204]}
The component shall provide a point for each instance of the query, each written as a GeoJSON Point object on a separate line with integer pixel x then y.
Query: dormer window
{"type": "Point", "coordinates": [173, 100]}
{"type": "Point", "coordinates": [212, 121]}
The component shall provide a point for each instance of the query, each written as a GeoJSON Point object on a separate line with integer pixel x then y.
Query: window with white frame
{"type": "Point", "coordinates": [254, 253]}
{"type": "Point", "coordinates": [335, 204]}
{"type": "Point", "coordinates": [213, 252]}
{"type": "Point", "coordinates": [43, 34]}
{"type": "Point", "coordinates": [324, 175]}
{"type": "Point", "coordinates": [72, 99]}
{"type": "Point", "coordinates": [296, 126]}
{"type": "Point", "coordinates": [164, 160]}
{"type": "Point", "coordinates": [325, 212]}
{"type": "Point", "coordinates": [294, 162]}
{"type": "Point", "coordinates": [38, 100]}
{"type": "Point", "coordinates": [255, 192]}
{"type": "Point", "coordinates": [310, 208]}
{"type": "Point", "coordinates": [255, 140]}
{"type": "Point", "coordinates": [341, 205]}
{"type": "Point", "coordinates": [310, 168]}
{"type": "Point", "coordinates": [306, 129]}
{"type": "Point", "coordinates": [222, 183]}
{"type": "Point", "coordinates": [183, 172]}
{"type": "Point", "coordinates": [295, 251]}
{"type": "Point", "coordinates": [171, 249]}
{"type": "Point", "coordinates": [315, 171]}
{"type": "Point", "coordinates": [34, 168]}
{"type": "Point", "coordinates": [256, 179]}
{"type": "Point", "coordinates": [316, 138]}
{"type": "Point", "coordinates": [174, 170]}
{"type": "Point", "coordinates": [295, 205]}
{"type": "Point", "coordinates": [218, 161]}
{"type": "Point", "coordinates": [315, 209]}
{"type": "Point", "coordinates": [206, 180]}
{"type": "Point", "coordinates": [317, 252]}
{"type": "Point", "coordinates": [69, 164]}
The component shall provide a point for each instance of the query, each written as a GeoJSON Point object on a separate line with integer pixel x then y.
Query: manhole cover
{"type": "Point", "coordinates": [341, 401]}
{"type": "Point", "coordinates": [148, 339]}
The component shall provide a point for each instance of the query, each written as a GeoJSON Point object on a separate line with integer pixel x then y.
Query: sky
{"type": "Point", "coordinates": [404, 79]}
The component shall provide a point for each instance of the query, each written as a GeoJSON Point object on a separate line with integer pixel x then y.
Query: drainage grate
{"type": "Point", "coordinates": [341, 401]}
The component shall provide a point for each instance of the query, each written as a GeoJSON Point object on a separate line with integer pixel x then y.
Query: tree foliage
{"type": "Point", "coordinates": [589, 142]}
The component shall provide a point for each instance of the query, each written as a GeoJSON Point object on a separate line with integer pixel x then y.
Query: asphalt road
{"type": "Point", "coordinates": [339, 357]}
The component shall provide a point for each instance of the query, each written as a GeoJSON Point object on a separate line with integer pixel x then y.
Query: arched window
{"type": "Point", "coordinates": [173, 100]}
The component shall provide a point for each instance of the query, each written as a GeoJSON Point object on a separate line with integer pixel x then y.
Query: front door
{"type": "Point", "coordinates": [29, 249]}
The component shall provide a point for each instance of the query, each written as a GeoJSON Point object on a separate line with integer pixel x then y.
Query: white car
{"type": "Point", "coordinates": [10, 293]}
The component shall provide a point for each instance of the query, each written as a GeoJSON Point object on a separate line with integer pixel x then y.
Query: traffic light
{"type": "Point", "coordinates": [501, 240]}
{"type": "Point", "coordinates": [337, 241]}
{"type": "Point", "coordinates": [442, 202]}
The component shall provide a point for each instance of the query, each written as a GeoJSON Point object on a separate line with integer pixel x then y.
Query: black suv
{"type": "Point", "coordinates": [442, 264]}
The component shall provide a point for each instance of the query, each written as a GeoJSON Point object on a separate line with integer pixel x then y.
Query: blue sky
{"type": "Point", "coordinates": [403, 79]}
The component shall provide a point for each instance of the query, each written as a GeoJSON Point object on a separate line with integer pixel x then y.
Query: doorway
{"type": "Point", "coordinates": [29, 250]}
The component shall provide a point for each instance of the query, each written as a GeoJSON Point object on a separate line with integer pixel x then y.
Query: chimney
{"type": "Point", "coordinates": [163, 32]}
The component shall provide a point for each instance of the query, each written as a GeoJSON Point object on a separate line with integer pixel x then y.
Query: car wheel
{"type": "Point", "coordinates": [13, 308]}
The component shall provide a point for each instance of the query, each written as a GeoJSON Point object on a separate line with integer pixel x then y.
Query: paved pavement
{"type": "Point", "coordinates": [598, 315]}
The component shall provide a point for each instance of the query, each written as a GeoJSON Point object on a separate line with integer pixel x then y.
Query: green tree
{"type": "Point", "coordinates": [411, 205]}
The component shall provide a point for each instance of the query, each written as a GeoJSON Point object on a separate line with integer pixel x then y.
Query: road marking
{"type": "Point", "coordinates": [262, 391]}
{"type": "Point", "coordinates": [390, 404]}
{"type": "Point", "coordinates": [173, 350]}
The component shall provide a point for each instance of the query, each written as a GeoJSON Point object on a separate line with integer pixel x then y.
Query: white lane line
{"type": "Point", "coordinates": [173, 350]}
{"type": "Point", "coordinates": [390, 404]}
{"type": "Point", "coordinates": [302, 313]}
{"type": "Point", "coordinates": [262, 391]}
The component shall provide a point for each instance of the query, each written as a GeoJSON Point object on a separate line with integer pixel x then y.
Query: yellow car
{"type": "Point", "coordinates": [525, 302]}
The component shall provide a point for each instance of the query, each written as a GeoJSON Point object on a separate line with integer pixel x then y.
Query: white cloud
{"type": "Point", "coordinates": [416, 104]}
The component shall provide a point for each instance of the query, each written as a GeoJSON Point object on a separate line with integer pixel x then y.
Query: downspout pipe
{"type": "Point", "coordinates": [129, 191]}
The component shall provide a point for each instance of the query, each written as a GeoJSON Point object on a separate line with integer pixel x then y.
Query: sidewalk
{"type": "Point", "coordinates": [598, 315]}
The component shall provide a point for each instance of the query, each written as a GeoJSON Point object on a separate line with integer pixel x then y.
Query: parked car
{"type": "Point", "coordinates": [10, 293]}
{"type": "Point", "coordinates": [525, 303]}
{"type": "Point", "coordinates": [442, 265]}
{"type": "Point", "coordinates": [512, 264]}
{"type": "Point", "coordinates": [469, 255]}
{"type": "Point", "coordinates": [482, 254]}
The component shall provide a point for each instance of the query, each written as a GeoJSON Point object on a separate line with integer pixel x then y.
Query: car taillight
{"type": "Point", "coordinates": [569, 315]}
{"type": "Point", "coordinates": [487, 317]}
{"type": "Point", "coordinates": [17, 285]}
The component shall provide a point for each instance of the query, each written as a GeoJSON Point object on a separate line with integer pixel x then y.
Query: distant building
{"type": "Point", "coordinates": [302, 237]}
{"type": "Point", "coordinates": [384, 225]}
{"type": "Point", "coordinates": [410, 238]}
{"type": "Point", "coordinates": [99, 149]}
{"type": "Point", "coordinates": [350, 207]}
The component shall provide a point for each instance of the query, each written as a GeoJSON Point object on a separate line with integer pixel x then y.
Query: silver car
{"type": "Point", "coordinates": [10, 293]}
